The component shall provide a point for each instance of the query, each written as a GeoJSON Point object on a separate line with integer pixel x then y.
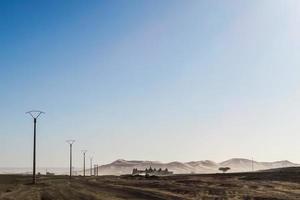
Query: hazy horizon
{"type": "Point", "coordinates": [150, 80]}
{"type": "Point", "coordinates": [78, 167]}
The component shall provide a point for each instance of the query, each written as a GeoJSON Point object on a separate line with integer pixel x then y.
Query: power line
{"type": "Point", "coordinates": [91, 164]}
{"type": "Point", "coordinates": [70, 142]}
{"type": "Point", "coordinates": [35, 115]}
{"type": "Point", "coordinates": [95, 169]}
{"type": "Point", "coordinates": [84, 152]}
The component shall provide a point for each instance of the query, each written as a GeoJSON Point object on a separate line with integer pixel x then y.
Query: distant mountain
{"type": "Point", "coordinates": [121, 166]}
{"type": "Point", "coordinates": [243, 165]}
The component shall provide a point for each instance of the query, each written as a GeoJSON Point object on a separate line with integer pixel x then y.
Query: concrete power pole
{"type": "Point", "coordinates": [96, 170]}
{"type": "Point", "coordinates": [35, 115]}
{"type": "Point", "coordinates": [84, 152]}
{"type": "Point", "coordinates": [91, 163]}
{"type": "Point", "coordinates": [70, 142]}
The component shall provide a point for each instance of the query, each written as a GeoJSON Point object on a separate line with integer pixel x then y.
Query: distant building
{"type": "Point", "coordinates": [152, 172]}
{"type": "Point", "coordinates": [50, 174]}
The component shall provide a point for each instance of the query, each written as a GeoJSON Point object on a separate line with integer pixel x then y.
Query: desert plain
{"type": "Point", "coordinates": [278, 184]}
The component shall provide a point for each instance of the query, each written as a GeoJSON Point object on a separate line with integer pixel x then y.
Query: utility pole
{"type": "Point", "coordinates": [34, 114]}
{"type": "Point", "coordinates": [91, 163]}
{"type": "Point", "coordinates": [70, 142]}
{"type": "Point", "coordinates": [97, 170]}
{"type": "Point", "coordinates": [84, 152]}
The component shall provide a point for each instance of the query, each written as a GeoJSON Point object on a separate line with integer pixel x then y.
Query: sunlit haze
{"type": "Point", "coordinates": [164, 80]}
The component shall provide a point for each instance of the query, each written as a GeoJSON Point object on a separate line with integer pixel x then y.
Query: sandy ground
{"type": "Point", "coordinates": [260, 186]}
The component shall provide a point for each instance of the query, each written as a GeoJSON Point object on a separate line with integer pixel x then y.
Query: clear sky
{"type": "Point", "coordinates": [150, 80]}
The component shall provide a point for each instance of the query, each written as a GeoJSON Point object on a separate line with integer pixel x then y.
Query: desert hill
{"type": "Point", "coordinates": [121, 166]}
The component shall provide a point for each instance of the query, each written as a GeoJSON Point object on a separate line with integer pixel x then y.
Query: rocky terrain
{"type": "Point", "coordinates": [279, 184]}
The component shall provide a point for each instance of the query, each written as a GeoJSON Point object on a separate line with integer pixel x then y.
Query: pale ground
{"type": "Point", "coordinates": [260, 186]}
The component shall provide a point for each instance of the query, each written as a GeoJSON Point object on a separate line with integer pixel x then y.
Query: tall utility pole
{"type": "Point", "coordinates": [70, 142]}
{"type": "Point", "coordinates": [34, 114]}
{"type": "Point", "coordinates": [95, 170]}
{"type": "Point", "coordinates": [84, 152]}
{"type": "Point", "coordinates": [91, 163]}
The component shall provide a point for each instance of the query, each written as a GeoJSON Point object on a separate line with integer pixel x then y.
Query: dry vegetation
{"type": "Point", "coordinates": [260, 186]}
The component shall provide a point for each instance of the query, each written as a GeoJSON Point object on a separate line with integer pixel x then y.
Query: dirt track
{"type": "Point", "coordinates": [260, 186]}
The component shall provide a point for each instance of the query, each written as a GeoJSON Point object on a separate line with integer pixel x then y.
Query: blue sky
{"type": "Point", "coordinates": [150, 80]}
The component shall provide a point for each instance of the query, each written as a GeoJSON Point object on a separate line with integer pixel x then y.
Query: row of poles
{"type": "Point", "coordinates": [96, 171]}
{"type": "Point", "coordinates": [35, 115]}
